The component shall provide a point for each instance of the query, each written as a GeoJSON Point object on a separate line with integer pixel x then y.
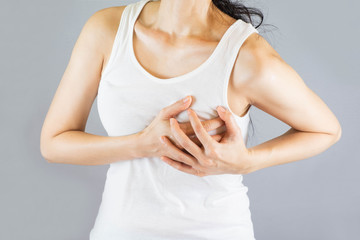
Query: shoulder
{"type": "Point", "coordinates": [273, 86]}
{"type": "Point", "coordinates": [106, 16]}
{"type": "Point", "coordinates": [257, 63]}
{"type": "Point", "coordinates": [101, 27]}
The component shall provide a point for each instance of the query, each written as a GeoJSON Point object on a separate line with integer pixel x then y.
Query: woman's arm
{"type": "Point", "coordinates": [277, 89]}
{"type": "Point", "coordinates": [289, 147]}
{"type": "Point", "coordinates": [63, 139]}
{"type": "Point", "coordinates": [81, 148]}
{"type": "Point", "coordinates": [270, 84]}
{"type": "Point", "coordinates": [63, 136]}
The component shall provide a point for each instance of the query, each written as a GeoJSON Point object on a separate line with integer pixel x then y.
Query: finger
{"type": "Point", "coordinates": [209, 125]}
{"type": "Point", "coordinates": [216, 137]}
{"type": "Point", "coordinates": [175, 153]}
{"type": "Point", "coordinates": [200, 132]}
{"type": "Point", "coordinates": [232, 128]}
{"type": "Point", "coordinates": [182, 167]}
{"type": "Point", "coordinates": [193, 138]}
{"type": "Point", "coordinates": [184, 140]}
{"type": "Point", "coordinates": [176, 108]}
{"type": "Point", "coordinates": [174, 142]}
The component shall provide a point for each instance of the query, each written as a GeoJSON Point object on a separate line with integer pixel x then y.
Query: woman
{"type": "Point", "coordinates": [169, 176]}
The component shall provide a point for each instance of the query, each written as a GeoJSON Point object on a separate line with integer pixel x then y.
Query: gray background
{"type": "Point", "coordinates": [316, 198]}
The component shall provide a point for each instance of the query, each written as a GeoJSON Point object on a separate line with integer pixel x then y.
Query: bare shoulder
{"type": "Point", "coordinates": [272, 85]}
{"type": "Point", "coordinates": [78, 87]}
{"type": "Point", "coordinates": [257, 61]}
{"type": "Point", "coordinates": [106, 16]}
{"type": "Point", "coordinates": [102, 26]}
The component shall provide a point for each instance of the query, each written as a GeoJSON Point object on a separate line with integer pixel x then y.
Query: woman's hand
{"type": "Point", "coordinates": [160, 126]}
{"type": "Point", "coordinates": [230, 155]}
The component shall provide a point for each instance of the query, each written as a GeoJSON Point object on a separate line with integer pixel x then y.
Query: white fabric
{"type": "Point", "coordinates": [145, 198]}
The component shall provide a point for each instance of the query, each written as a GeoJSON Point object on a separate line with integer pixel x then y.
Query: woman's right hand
{"type": "Point", "coordinates": [160, 126]}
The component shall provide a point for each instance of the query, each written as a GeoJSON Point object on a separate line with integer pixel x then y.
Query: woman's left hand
{"type": "Point", "coordinates": [229, 155]}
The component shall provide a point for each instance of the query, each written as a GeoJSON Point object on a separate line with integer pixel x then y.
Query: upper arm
{"type": "Point", "coordinates": [277, 89]}
{"type": "Point", "coordinates": [78, 87]}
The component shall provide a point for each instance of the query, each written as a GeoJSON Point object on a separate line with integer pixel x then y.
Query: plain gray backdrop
{"type": "Point", "coordinates": [315, 198]}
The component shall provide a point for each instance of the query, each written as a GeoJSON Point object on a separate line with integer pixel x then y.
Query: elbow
{"type": "Point", "coordinates": [45, 154]}
{"type": "Point", "coordinates": [337, 134]}
{"type": "Point", "coordinates": [45, 150]}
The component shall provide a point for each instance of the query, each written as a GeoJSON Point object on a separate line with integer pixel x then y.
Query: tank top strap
{"type": "Point", "coordinates": [134, 11]}
{"type": "Point", "coordinates": [233, 45]}
{"type": "Point", "coordinates": [120, 37]}
{"type": "Point", "coordinates": [228, 47]}
{"type": "Point", "coordinates": [223, 57]}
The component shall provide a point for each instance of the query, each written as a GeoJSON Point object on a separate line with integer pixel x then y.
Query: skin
{"type": "Point", "coordinates": [63, 137]}
{"type": "Point", "coordinates": [260, 77]}
{"type": "Point", "coordinates": [179, 30]}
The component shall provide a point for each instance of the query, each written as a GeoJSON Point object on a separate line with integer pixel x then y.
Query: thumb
{"type": "Point", "coordinates": [232, 129]}
{"type": "Point", "coordinates": [176, 108]}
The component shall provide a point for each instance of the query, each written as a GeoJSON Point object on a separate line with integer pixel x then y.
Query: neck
{"type": "Point", "coordinates": [184, 17]}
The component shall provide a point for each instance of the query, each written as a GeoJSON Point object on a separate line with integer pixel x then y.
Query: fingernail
{"type": "Point", "coordinates": [221, 109]}
{"type": "Point", "coordinates": [186, 99]}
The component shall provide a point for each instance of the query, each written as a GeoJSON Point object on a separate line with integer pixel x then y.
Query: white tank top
{"type": "Point", "coordinates": [145, 198]}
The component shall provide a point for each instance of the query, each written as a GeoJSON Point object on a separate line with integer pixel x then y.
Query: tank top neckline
{"type": "Point", "coordinates": [182, 77]}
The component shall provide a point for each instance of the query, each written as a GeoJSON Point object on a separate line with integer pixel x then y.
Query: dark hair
{"type": "Point", "coordinates": [238, 10]}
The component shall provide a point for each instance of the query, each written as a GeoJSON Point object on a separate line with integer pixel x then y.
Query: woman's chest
{"type": "Point", "coordinates": [127, 101]}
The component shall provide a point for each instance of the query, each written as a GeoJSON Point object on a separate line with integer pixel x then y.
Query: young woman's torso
{"type": "Point", "coordinates": [167, 58]}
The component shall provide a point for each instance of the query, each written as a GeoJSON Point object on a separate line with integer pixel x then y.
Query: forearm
{"type": "Point", "coordinates": [289, 147]}
{"type": "Point", "coordinates": [81, 148]}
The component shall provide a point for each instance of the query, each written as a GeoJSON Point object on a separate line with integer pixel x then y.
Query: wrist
{"type": "Point", "coordinates": [130, 146]}
{"type": "Point", "coordinates": [251, 161]}
{"type": "Point", "coordinates": [139, 145]}
{"type": "Point", "coordinates": [256, 159]}
{"type": "Point", "coordinates": [244, 162]}
{"type": "Point", "coordinates": [145, 145]}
